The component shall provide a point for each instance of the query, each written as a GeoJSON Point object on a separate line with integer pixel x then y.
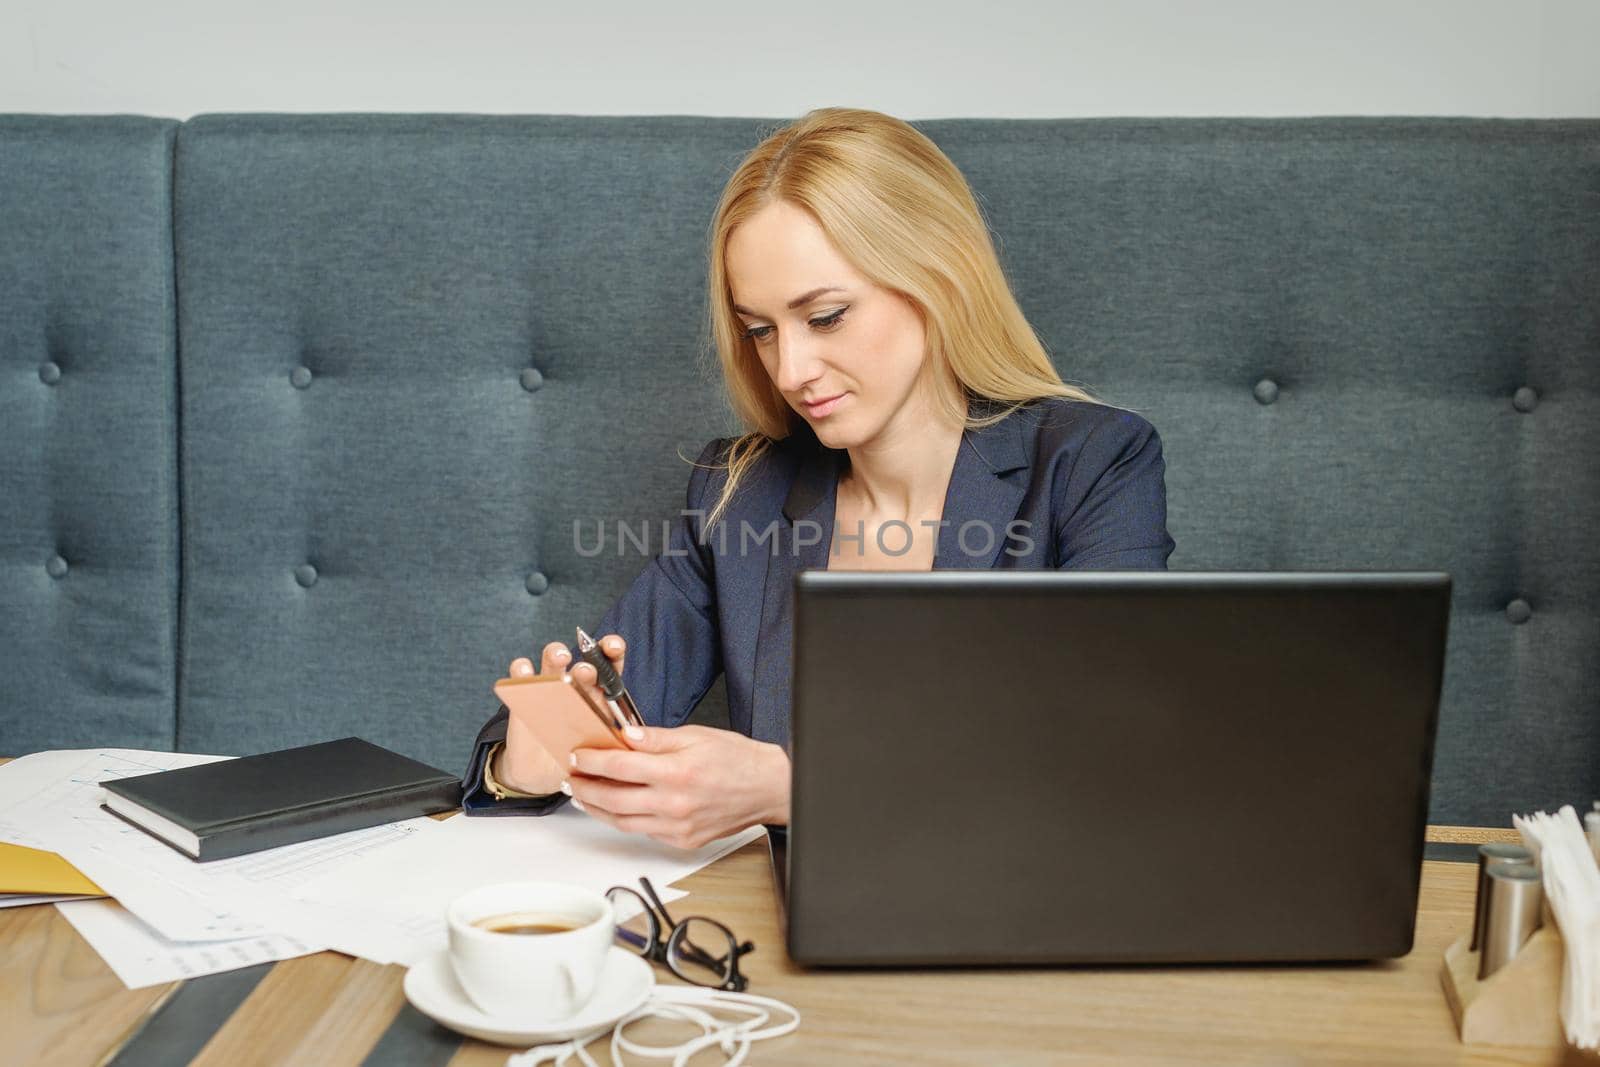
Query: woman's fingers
{"type": "Point", "coordinates": [588, 679]}
{"type": "Point", "coordinates": [615, 649]}
{"type": "Point", "coordinates": [555, 658]}
{"type": "Point", "coordinates": [584, 675]}
{"type": "Point", "coordinates": [667, 831]}
{"type": "Point", "coordinates": [611, 797]}
{"type": "Point", "coordinates": [631, 824]}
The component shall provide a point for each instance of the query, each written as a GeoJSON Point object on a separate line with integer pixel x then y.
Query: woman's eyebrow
{"type": "Point", "coordinates": [803, 298]}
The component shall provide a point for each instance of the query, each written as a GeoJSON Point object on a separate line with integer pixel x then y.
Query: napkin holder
{"type": "Point", "coordinates": [1516, 1006]}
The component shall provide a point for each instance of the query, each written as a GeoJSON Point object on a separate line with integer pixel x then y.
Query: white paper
{"type": "Point", "coordinates": [45, 795]}
{"type": "Point", "coordinates": [416, 880]}
{"type": "Point", "coordinates": [379, 894]}
{"type": "Point", "coordinates": [142, 957]}
{"type": "Point", "coordinates": [17, 900]}
{"type": "Point", "coordinates": [27, 775]}
{"type": "Point", "coordinates": [239, 897]}
{"type": "Point", "coordinates": [184, 900]}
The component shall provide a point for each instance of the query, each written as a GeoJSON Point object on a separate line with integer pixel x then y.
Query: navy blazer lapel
{"type": "Point", "coordinates": [808, 510]}
{"type": "Point", "coordinates": [983, 492]}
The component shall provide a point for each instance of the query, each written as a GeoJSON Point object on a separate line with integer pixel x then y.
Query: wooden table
{"type": "Point", "coordinates": [60, 1004]}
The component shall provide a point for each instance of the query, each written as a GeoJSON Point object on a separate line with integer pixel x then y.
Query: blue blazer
{"type": "Point", "coordinates": [1057, 484]}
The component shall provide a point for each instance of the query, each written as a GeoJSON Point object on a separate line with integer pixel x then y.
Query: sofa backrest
{"type": "Point", "coordinates": [88, 392]}
{"type": "Point", "coordinates": [414, 349]}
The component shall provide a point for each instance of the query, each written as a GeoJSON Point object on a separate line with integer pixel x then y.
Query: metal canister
{"type": "Point", "coordinates": [1488, 854]}
{"type": "Point", "coordinates": [1516, 896]}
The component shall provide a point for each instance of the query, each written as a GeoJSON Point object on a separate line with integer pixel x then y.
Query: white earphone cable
{"type": "Point", "coordinates": [683, 1003]}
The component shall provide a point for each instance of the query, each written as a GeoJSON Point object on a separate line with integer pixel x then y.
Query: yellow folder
{"type": "Point", "coordinates": [28, 870]}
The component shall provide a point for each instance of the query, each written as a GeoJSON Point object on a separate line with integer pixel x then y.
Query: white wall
{"type": "Point", "coordinates": [778, 58]}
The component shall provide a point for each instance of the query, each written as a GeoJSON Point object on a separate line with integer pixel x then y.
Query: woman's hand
{"type": "Point", "coordinates": [684, 786]}
{"type": "Point", "coordinates": [524, 764]}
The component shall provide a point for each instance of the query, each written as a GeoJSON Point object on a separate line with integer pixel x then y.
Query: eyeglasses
{"type": "Point", "coordinates": [698, 950]}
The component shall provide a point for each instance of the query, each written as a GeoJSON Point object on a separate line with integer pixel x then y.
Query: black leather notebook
{"type": "Point", "coordinates": [232, 807]}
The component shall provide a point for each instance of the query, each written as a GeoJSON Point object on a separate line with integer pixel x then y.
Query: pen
{"type": "Point", "coordinates": [621, 703]}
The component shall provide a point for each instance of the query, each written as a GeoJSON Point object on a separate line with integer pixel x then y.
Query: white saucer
{"type": "Point", "coordinates": [431, 986]}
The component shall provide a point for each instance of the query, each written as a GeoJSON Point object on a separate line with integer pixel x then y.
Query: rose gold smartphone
{"type": "Point", "coordinates": [558, 714]}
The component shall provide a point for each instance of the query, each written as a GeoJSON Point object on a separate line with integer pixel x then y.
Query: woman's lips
{"type": "Point", "coordinates": [825, 407]}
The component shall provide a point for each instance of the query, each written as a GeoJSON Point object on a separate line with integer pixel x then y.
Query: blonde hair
{"type": "Point", "coordinates": [900, 211]}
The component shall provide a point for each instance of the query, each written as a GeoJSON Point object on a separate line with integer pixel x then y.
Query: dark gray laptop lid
{"type": "Point", "coordinates": [1036, 767]}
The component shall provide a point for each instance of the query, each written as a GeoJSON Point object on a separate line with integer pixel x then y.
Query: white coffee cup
{"type": "Point", "coordinates": [530, 977]}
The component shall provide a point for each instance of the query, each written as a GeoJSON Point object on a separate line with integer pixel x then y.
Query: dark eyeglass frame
{"type": "Point", "coordinates": [657, 951]}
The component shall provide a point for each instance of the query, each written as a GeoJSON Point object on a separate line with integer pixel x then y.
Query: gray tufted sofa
{"type": "Point", "coordinates": [298, 412]}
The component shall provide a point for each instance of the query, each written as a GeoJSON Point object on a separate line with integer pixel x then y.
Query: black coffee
{"type": "Point", "coordinates": [526, 923]}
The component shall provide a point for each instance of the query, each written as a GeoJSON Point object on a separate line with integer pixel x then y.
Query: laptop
{"type": "Point", "coordinates": [1052, 767]}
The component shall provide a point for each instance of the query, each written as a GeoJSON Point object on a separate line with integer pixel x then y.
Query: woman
{"type": "Point", "coordinates": [904, 416]}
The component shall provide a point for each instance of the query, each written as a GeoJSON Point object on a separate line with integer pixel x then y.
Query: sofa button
{"type": "Point", "coordinates": [306, 575]}
{"type": "Point", "coordinates": [1266, 391]}
{"type": "Point", "coordinates": [1519, 611]}
{"type": "Point", "coordinates": [1525, 399]}
{"type": "Point", "coordinates": [537, 583]}
{"type": "Point", "coordinates": [49, 372]}
{"type": "Point", "coordinates": [300, 377]}
{"type": "Point", "coordinates": [56, 567]}
{"type": "Point", "coordinates": [531, 379]}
